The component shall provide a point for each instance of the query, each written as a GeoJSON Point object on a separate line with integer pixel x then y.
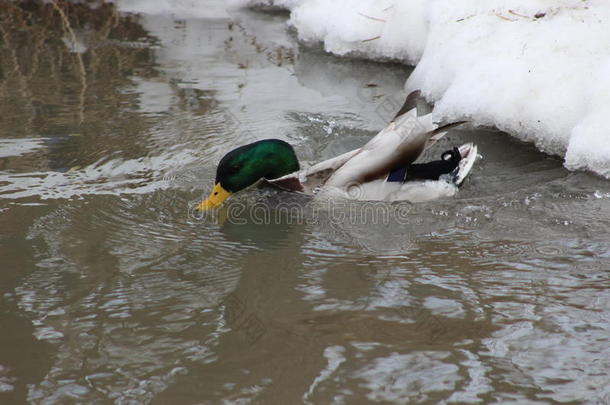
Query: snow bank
{"type": "Point", "coordinates": [537, 69]}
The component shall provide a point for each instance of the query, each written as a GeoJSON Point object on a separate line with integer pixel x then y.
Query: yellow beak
{"type": "Point", "coordinates": [216, 198]}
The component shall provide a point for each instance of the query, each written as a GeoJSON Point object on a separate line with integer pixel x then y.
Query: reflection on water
{"type": "Point", "coordinates": [113, 291]}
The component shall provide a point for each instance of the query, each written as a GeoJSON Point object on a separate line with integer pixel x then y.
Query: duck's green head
{"type": "Point", "coordinates": [244, 166]}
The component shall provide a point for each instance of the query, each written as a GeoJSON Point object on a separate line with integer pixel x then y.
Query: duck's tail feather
{"type": "Point", "coordinates": [447, 127]}
{"type": "Point", "coordinates": [469, 154]}
{"type": "Point", "coordinates": [441, 131]}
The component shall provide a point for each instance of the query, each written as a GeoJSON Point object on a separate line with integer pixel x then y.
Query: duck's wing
{"type": "Point", "coordinates": [406, 134]}
{"type": "Point", "coordinates": [416, 106]}
{"type": "Point", "coordinates": [397, 145]}
{"type": "Point", "coordinates": [411, 102]}
{"type": "Point", "coordinates": [308, 180]}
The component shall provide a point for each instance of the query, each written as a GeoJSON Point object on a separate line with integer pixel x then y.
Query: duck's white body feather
{"type": "Point", "coordinates": [400, 143]}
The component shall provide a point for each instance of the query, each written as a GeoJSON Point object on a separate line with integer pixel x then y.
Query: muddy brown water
{"type": "Point", "coordinates": [112, 291]}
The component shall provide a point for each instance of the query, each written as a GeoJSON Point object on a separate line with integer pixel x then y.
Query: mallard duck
{"type": "Point", "coordinates": [381, 170]}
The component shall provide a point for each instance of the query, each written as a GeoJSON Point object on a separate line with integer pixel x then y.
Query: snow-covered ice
{"type": "Point", "coordinates": [536, 69]}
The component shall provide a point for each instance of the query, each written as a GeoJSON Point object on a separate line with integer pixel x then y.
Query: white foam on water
{"type": "Point", "coordinates": [109, 177]}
